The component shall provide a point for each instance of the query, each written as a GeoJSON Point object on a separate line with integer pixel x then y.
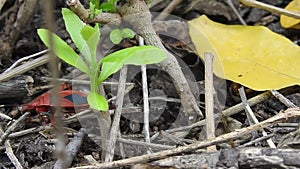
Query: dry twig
{"type": "Point", "coordinates": [25, 58]}
{"type": "Point", "coordinates": [71, 150]}
{"type": "Point", "coordinates": [229, 2]}
{"type": "Point", "coordinates": [12, 127]}
{"type": "Point", "coordinates": [9, 152]}
{"type": "Point", "coordinates": [283, 99]}
{"type": "Point", "coordinates": [228, 112]}
{"type": "Point", "coordinates": [252, 118]}
{"type": "Point", "coordinates": [209, 99]}
{"type": "Point", "coordinates": [164, 14]}
{"type": "Point", "coordinates": [115, 125]}
{"type": "Point", "coordinates": [287, 114]}
{"type": "Point", "coordinates": [145, 98]}
{"type": "Point", "coordinates": [270, 8]}
{"type": "Point", "coordinates": [25, 67]}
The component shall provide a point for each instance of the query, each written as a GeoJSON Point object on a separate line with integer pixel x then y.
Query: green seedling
{"type": "Point", "coordinates": [109, 6]}
{"type": "Point", "coordinates": [86, 39]}
{"type": "Point", "coordinates": [117, 35]}
{"type": "Point", "coordinates": [96, 7]}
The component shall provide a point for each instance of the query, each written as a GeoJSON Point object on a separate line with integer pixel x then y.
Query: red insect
{"type": "Point", "coordinates": [69, 101]}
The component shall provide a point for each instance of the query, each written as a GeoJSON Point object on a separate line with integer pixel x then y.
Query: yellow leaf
{"type": "Point", "coordinates": [253, 56]}
{"type": "Point", "coordinates": [289, 22]}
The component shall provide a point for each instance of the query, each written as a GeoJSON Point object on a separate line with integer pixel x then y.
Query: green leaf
{"type": "Point", "coordinates": [91, 36]}
{"type": "Point", "coordinates": [112, 1]}
{"type": "Point", "coordinates": [92, 10]}
{"type": "Point", "coordinates": [63, 50]}
{"type": "Point", "coordinates": [127, 33]}
{"type": "Point", "coordinates": [96, 3]}
{"type": "Point", "coordinates": [115, 36]}
{"type": "Point", "coordinates": [97, 11]}
{"type": "Point", "coordinates": [96, 101]}
{"type": "Point", "coordinates": [137, 55]}
{"type": "Point", "coordinates": [107, 69]}
{"type": "Point", "coordinates": [107, 7]}
{"type": "Point", "coordinates": [74, 26]}
{"type": "Point", "coordinates": [148, 2]}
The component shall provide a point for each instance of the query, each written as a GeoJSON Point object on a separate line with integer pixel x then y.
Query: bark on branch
{"type": "Point", "coordinates": [137, 14]}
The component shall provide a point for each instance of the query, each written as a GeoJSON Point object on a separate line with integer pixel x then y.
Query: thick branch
{"type": "Point", "coordinates": [137, 14]}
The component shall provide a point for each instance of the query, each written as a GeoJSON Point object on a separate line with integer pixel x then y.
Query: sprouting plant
{"type": "Point", "coordinates": [96, 7]}
{"type": "Point", "coordinates": [116, 35]}
{"type": "Point", "coordinates": [109, 6]}
{"type": "Point", "coordinates": [86, 39]}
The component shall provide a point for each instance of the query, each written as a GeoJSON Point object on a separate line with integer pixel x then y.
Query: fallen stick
{"type": "Point", "coordinates": [284, 115]}
{"type": "Point", "coordinates": [270, 8]}
{"type": "Point", "coordinates": [24, 68]}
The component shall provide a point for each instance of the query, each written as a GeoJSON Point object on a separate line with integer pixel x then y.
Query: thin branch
{"type": "Point", "coordinates": [12, 127]}
{"type": "Point", "coordinates": [269, 136]}
{"type": "Point", "coordinates": [165, 13]}
{"type": "Point", "coordinates": [26, 58]}
{"type": "Point", "coordinates": [4, 116]}
{"type": "Point", "coordinates": [28, 131]}
{"type": "Point", "coordinates": [145, 98]}
{"type": "Point", "coordinates": [290, 113]}
{"type": "Point", "coordinates": [173, 138]}
{"type": "Point", "coordinates": [209, 99]}
{"type": "Point", "coordinates": [25, 67]}
{"type": "Point", "coordinates": [122, 150]}
{"type": "Point", "coordinates": [137, 143]}
{"type": "Point", "coordinates": [71, 150]}
{"type": "Point", "coordinates": [229, 2]}
{"type": "Point", "coordinates": [115, 125]}
{"type": "Point", "coordinates": [270, 8]}
{"type": "Point", "coordinates": [228, 112]}
{"type": "Point", "coordinates": [78, 9]}
{"type": "Point", "coordinates": [9, 152]}
{"type": "Point", "coordinates": [283, 99]}
{"type": "Point", "coordinates": [252, 116]}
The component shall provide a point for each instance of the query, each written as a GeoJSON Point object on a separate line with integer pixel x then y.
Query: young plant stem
{"type": "Point", "coordinates": [103, 117]}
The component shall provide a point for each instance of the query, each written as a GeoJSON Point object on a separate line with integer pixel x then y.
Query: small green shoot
{"type": "Point", "coordinates": [86, 39]}
{"type": "Point", "coordinates": [109, 6]}
{"type": "Point", "coordinates": [116, 35]}
{"type": "Point", "coordinates": [94, 8]}
{"type": "Point", "coordinates": [127, 33]}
